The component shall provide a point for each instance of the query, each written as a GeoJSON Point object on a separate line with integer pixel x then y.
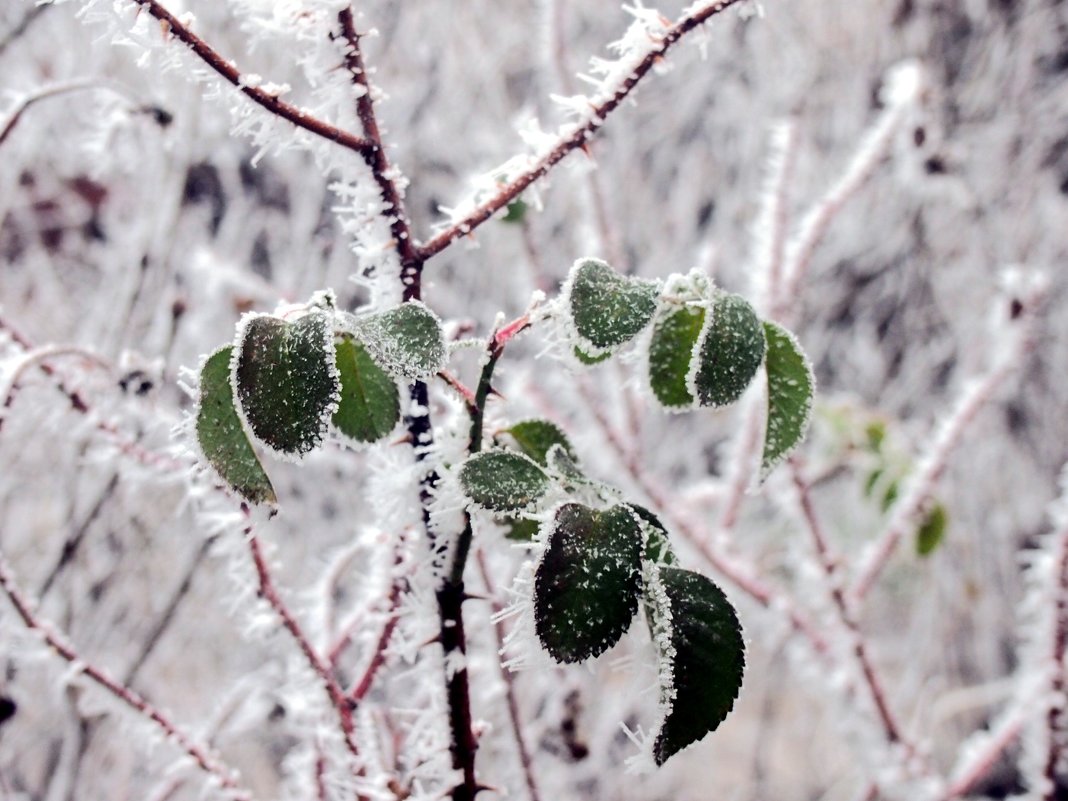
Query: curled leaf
{"type": "Point", "coordinates": [221, 437]}
{"type": "Point", "coordinates": [731, 351]}
{"type": "Point", "coordinates": [791, 386]}
{"type": "Point", "coordinates": [675, 334]}
{"type": "Point", "coordinates": [702, 653]}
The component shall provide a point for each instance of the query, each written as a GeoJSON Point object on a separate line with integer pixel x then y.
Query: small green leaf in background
{"type": "Point", "coordinates": [932, 530]}
{"type": "Point", "coordinates": [535, 437]}
{"type": "Point", "coordinates": [889, 496]}
{"type": "Point", "coordinates": [698, 635]}
{"type": "Point", "coordinates": [221, 436]}
{"type": "Point", "coordinates": [523, 529]}
{"type": "Point", "coordinates": [587, 585]}
{"type": "Point", "coordinates": [871, 481]}
{"type": "Point", "coordinates": [370, 405]}
{"type": "Point", "coordinates": [791, 387]}
{"type": "Point", "coordinates": [875, 433]}
{"type": "Point", "coordinates": [607, 309]}
{"type": "Point", "coordinates": [675, 335]}
{"type": "Point", "coordinates": [516, 212]}
{"type": "Point", "coordinates": [285, 380]}
{"type": "Point", "coordinates": [731, 352]}
{"type": "Point", "coordinates": [407, 341]}
{"type": "Point", "coordinates": [503, 481]}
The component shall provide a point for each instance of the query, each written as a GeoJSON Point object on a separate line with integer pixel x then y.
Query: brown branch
{"type": "Point", "coordinates": [574, 140]}
{"type": "Point", "coordinates": [302, 119]}
{"type": "Point", "coordinates": [201, 755]}
{"type": "Point", "coordinates": [269, 593]}
{"type": "Point", "coordinates": [378, 161]}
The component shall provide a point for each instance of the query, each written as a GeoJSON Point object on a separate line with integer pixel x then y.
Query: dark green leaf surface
{"type": "Point", "coordinates": [503, 481]}
{"type": "Point", "coordinates": [407, 341]}
{"type": "Point", "coordinates": [221, 436]}
{"type": "Point", "coordinates": [370, 405]}
{"type": "Point", "coordinates": [608, 309]}
{"type": "Point", "coordinates": [589, 360]}
{"type": "Point", "coordinates": [731, 353]}
{"type": "Point", "coordinates": [791, 386]}
{"type": "Point", "coordinates": [587, 585]}
{"type": "Point", "coordinates": [708, 661]}
{"type": "Point", "coordinates": [535, 437]}
{"type": "Point", "coordinates": [932, 530]}
{"type": "Point", "coordinates": [675, 334]}
{"type": "Point", "coordinates": [285, 381]}
{"type": "Point", "coordinates": [562, 465]}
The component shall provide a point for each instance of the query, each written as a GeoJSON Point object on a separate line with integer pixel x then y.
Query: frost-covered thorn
{"type": "Point", "coordinates": [406, 439]}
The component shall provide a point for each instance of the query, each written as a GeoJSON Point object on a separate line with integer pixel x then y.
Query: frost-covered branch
{"type": "Point", "coordinates": [172, 25]}
{"type": "Point", "coordinates": [1016, 343]}
{"type": "Point", "coordinates": [201, 755]}
{"type": "Point", "coordinates": [578, 134]}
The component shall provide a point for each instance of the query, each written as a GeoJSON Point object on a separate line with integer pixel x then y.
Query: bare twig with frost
{"type": "Point", "coordinates": [903, 87]}
{"type": "Point", "coordinates": [171, 25]}
{"type": "Point", "coordinates": [576, 136]}
{"type": "Point", "coordinates": [526, 761]}
{"type": "Point", "coordinates": [919, 486]}
{"type": "Point", "coordinates": [201, 755]}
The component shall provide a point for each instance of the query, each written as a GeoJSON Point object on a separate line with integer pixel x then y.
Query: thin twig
{"type": "Point", "coordinates": [526, 761]}
{"type": "Point", "coordinates": [269, 592]}
{"type": "Point", "coordinates": [574, 139]}
{"type": "Point", "coordinates": [201, 755]}
{"type": "Point", "coordinates": [223, 67]}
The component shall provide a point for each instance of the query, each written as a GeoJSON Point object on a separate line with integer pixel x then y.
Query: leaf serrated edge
{"type": "Point", "coordinates": [766, 467]}
{"type": "Point", "coordinates": [331, 362]}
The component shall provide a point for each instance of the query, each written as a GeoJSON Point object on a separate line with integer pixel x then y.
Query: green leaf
{"type": "Point", "coordinates": [791, 387]}
{"type": "Point", "coordinates": [516, 212]}
{"type": "Point", "coordinates": [407, 341]}
{"type": "Point", "coordinates": [932, 530]}
{"type": "Point", "coordinates": [889, 496]}
{"type": "Point", "coordinates": [523, 529]}
{"type": "Point", "coordinates": [370, 405]}
{"type": "Point", "coordinates": [587, 585]}
{"type": "Point", "coordinates": [503, 481]}
{"type": "Point", "coordinates": [285, 380]}
{"type": "Point", "coordinates": [535, 437]}
{"type": "Point", "coordinates": [563, 466]}
{"type": "Point", "coordinates": [657, 548]}
{"type": "Point", "coordinates": [589, 360]}
{"type": "Point", "coordinates": [221, 436]}
{"type": "Point", "coordinates": [731, 351]}
{"type": "Point", "coordinates": [675, 335]}
{"type": "Point", "coordinates": [607, 309]}
{"type": "Point", "coordinates": [875, 432]}
{"type": "Point", "coordinates": [702, 652]}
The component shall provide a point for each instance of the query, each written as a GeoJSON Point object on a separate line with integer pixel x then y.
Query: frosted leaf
{"type": "Point", "coordinates": [675, 334]}
{"type": "Point", "coordinates": [221, 437]}
{"type": "Point", "coordinates": [521, 529]}
{"type": "Point", "coordinates": [503, 481]}
{"type": "Point", "coordinates": [730, 353]}
{"type": "Point", "coordinates": [606, 309]}
{"type": "Point", "coordinates": [706, 651]}
{"type": "Point", "coordinates": [285, 380]}
{"type": "Point", "coordinates": [588, 359]}
{"type": "Point", "coordinates": [369, 408]}
{"type": "Point", "coordinates": [587, 584]}
{"type": "Point", "coordinates": [932, 530]}
{"type": "Point", "coordinates": [408, 340]}
{"type": "Point", "coordinates": [536, 437]}
{"type": "Point", "coordinates": [562, 464]}
{"type": "Point", "coordinates": [791, 386]}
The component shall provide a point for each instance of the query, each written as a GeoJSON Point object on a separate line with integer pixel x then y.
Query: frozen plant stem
{"type": "Point", "coordinates": [173, 26]}
{"type": "Point", "coordinates": [201, 755]}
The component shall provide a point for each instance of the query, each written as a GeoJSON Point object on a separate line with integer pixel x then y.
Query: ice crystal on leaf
{"type": "Point", "coordinates": [606, 309]}
{"type": "Point", "coordinates": [503, 481]}
{"type": "Point", "coordinates": [791, 386]}
{"type": "Point", "coordinates": [408, 340]}
{"type": "Point", "coordinates": [587, 583]}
